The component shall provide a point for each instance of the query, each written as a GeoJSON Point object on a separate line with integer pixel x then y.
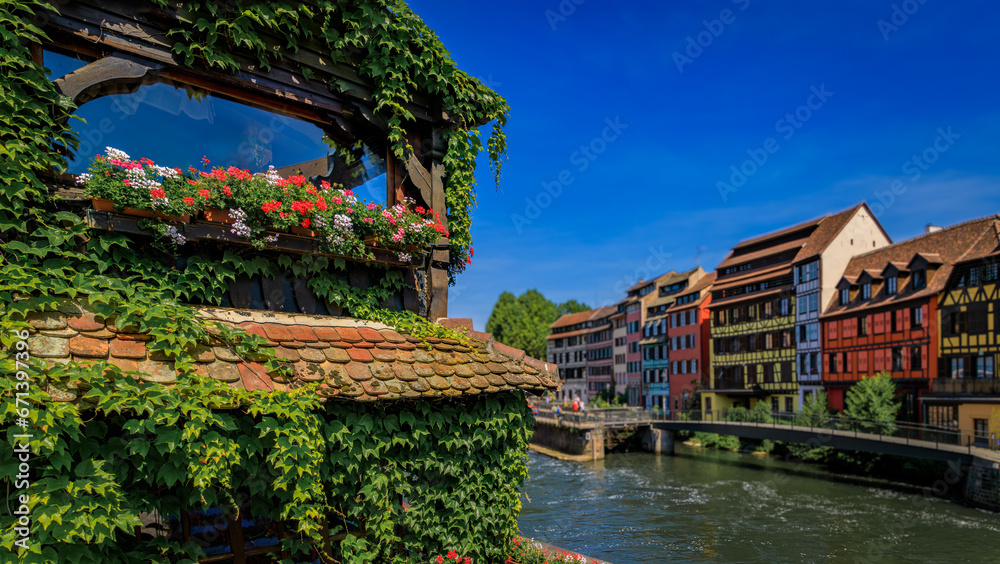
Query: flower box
{"type": "Point", "coordinates": [102, 204]}
{"type": "Point", "coordinates": [299, 230]}
{"type": "Point", "coordinates": [217, 215]}
{"type": "Point", "coordinates": [255, 203]}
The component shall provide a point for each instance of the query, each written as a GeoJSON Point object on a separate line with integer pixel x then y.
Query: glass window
{"type": "Point", "coordinates": [890, 285]}
{"type": "Point", "coordinates": [957, 367]}
{"type": "Point", "coordinates": [917, 316]}
{"type": "Point", "coordinates": [919, 279]}
{"type": "Point", "coordinates": [942, 416]}
{"type": "Point", "coordinates": [984, 367]}
{"type": "Point", "coordinates": [845, 296]}
{"type": "Point", "coordinates": [916, 358]}
{"type": "Point", "coordinates": [866, 291]}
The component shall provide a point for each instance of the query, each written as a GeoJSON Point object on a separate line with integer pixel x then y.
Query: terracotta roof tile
{"type": "Point", "coordinates": [334, 354]}
{"type": "Point", "coordinates": [277, 332]}
{"type": "Point", "coordinates": [360, 355]}
{"type": "Point", "coordinates": [370, 335]}
{"type": "Point", "coordinates": [339, 353]}
{"type": "Point", "coordinates": [349, 334]}
{"type": "Point", "coordinates": [88, 348]}
{"type": "Point", "coordinates": [326, 333]}
{"type": "Point", "coordinates": [358, 371]}
{"type": "Point", "coordinates": [303, 333]}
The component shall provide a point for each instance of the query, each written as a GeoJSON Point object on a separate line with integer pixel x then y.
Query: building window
{"type": "Point", "coordinates": [957, 367]}
{"type": "Point", "coordinates": [984, 367]}
{"type": "Point", "coordinates": [890, 285]}
{"type": "Point", "coordinates": [784, 306]}
{"type": "Point", "coordinates": [788, 405]}
{"type": "Point", "coordinates": [981, 428]}
{"type": "Point", "coordinates": [814, 363]}
{"type": "Point", "coordinates": [916, 359]}
{"type": "Point", "coordinates": [866, 291]}
{"type": "Point", "coordinates": [814, 302]}
{"type": "Point", "coordinates": [845, 296]}
{"type": "Point", "coordinates": [917, 316]}
{"type": "Point", "coordinates": [919, 279]}
{"type": "Point", "coordinates": [893, 315]}
{"type": "Point", "coordinates": [774, 404]}
{"type": "Point", "coordinates": [959, 322]}
{"type": "Point", "coordinates": [943, 416]}
{"type": "Point", "coordinates": [832, 359]}
{"type": "Point", "coordinates": [862, 325]}
{"type": "Point", "coordinates": [897, 359]}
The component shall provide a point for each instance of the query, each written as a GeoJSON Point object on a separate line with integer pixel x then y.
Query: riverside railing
{"type": "Point", "coordinates": [876, 430]}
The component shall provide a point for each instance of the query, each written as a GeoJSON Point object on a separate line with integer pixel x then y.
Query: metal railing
{"type": "Point", "coordinates": [876, 430]}
{"type": "Point", "coordinates": [880, 429]}
{"type": "Point", "coordinates": [965, 386]}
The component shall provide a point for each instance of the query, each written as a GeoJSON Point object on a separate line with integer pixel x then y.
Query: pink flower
{"type": "Point", "coordinates": [372, 206]}
{"type": "Point", "coordinates": [127, 183]}
{"type": "Point", "coordinates": [349, 210]}
{"type": "Point", "coordinates": [369, 219]}
{"type": "Point", "coordinates": [337, 200]}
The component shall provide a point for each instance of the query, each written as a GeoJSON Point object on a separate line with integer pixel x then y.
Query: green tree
{"type": "Point", "coordinates": [873, 400]}
{"type": "Point", "coordinates": [523, 321]}
{"type": "Point", "coordinates": [571, 306]}
{"type": "Point", "coordinates": [815, 411]}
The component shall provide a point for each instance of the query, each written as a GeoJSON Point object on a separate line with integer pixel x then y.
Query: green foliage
{"type": "Point", "coordinates": [607, 398]}
{"type": "Point", "coordinates": [386, 44]}
{"type": "Point", "coordinates": [815, 413]}
{"type": "Point", "coordinates": [130, 447]}
{"type": "Point", "coordinates": [873, 399]}
{"type": "Point", "coordinates": [523, 321]}
{"type": "Point", "coordinates": [712, 440]}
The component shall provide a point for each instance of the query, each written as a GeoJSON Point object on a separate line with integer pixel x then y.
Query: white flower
{"type": "Point", "coordinates": [117, 154]}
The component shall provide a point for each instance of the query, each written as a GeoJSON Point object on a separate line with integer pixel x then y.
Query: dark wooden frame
{"type": "Point", "coordinates": [128, 45]}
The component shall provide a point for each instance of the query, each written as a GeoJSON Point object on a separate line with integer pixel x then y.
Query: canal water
{"type": "Point", "coordinates": [716, 506]}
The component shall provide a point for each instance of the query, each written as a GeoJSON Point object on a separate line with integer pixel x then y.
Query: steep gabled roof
{"type": "Point", "coordinates": [945, 247]}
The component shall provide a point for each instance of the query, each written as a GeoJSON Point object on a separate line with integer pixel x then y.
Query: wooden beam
{"type": "Point", "coordinates": [114, 74]}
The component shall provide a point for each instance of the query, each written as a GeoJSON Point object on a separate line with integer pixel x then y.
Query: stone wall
{"type": "Point", "coordinates": [982, 486]}
{"type": "Point", "coordinates": [570, 440]}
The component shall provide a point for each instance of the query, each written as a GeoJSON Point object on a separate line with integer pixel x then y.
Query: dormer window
{"type": "Point", "coordinates": [890, 285]}
{"type": "Point", "coordinates": [845, 296]}
{"type": "Point", "coordinates": [919, 279]}
{"type": "Point", "coordinates": [866, 291]}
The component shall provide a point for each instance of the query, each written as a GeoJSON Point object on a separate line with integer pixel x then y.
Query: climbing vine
{"type": "Point", "coordinates": [389, 46]}
{"type": "Point", "coordinates": [401, 480]}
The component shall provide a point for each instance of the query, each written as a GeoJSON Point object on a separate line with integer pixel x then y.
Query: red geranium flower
{"type": "Point", "coordinates": [204, 193]}
{"type": "Point", "coordinates": [157, 193]}
{"type": "Point", "coordinates": [205, 161]}
{"type": "Point", "coordinates": [452, 554]}
{"type": "Point", "coordinates": [305, 223]}
{"type": "Point", "coordinates": [189, 200]}
{"type": "Point", "coordinates": [227, 191]}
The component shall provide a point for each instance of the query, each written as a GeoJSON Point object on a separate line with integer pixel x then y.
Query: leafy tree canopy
{"type": "Point", "coordinates": [523, 321]}
{"type": "Point", "coordinates": [873, 399]}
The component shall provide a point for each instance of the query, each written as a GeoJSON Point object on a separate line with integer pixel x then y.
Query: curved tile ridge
{"type": "Point", "coordinates": [350, 359]}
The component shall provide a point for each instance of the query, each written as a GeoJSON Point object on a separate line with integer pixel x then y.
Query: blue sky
{"type": "Point", "coordinates": [838, 103]}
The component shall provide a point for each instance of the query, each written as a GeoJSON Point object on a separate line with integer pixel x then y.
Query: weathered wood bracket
{"type": "Point", "coordinates": [115, 74]}
{"type": "Point", "coordinates": [421, 179]}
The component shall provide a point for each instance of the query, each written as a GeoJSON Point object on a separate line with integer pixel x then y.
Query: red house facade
{"type": "Point", "coordinates": [689, 334]}
{"type": "Point", "coordinates": [884, 317]}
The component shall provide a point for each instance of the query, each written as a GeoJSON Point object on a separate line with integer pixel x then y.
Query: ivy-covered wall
{"type": "Point", "coordinates": [132, 447]}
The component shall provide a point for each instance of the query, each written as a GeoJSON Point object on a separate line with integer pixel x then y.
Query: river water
{"type": "Point", "coordinates": [716, 506]}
